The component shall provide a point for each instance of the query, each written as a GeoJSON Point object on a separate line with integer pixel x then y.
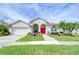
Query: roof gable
{"type": "Point", "coordinates": [19, 23]}
{"type": "Point", "coordinates": [38, 19]}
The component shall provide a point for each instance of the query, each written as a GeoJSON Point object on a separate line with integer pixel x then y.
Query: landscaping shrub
{"type": "Point", "coordinates": [4, 30]}
{"type": "Point", "coordinates": [29, 33]}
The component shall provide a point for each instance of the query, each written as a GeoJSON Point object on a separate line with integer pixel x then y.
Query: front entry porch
{"type": "Point", "coordinates": [39, 28]}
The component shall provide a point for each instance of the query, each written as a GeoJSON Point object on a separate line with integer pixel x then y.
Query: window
{"type": "Point", "coordinates": [53, 29]}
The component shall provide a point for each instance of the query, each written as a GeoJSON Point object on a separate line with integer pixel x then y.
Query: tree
{"type": "Point", "coordinates": [4, 30]}
{"type": "Point", "coordinates": [77, 26]}
{"type": "Point", "coordinates": [71, 27]}
{"type": "Point", "coordinates": [66, 26]}
{"type": "Point", "coordinates": [62, 25]}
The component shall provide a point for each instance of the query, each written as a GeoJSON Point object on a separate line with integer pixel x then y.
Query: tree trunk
{"type": "Point", "coordinates": [69, 32]}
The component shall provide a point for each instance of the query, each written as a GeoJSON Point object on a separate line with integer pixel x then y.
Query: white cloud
{"type": "Point", "coordinates": [12, 14]}
{"type": "Point", "coordinates": [56, 12]}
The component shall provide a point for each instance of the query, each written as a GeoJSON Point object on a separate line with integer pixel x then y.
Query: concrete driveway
{"type": "Point", "coordinates": [5, 40]}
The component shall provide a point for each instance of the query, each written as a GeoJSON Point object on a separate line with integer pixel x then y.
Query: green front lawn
{"type": "Point", "coordinates": [65, 37]}
{"type": "Point", "coordinates": [40, 49]}
{"type": "Point", "coordinates": [31, 38]}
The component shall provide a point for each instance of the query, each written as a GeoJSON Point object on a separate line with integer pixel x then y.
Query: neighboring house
{"type": "Point", "coordinates": [4, 23]}
{"type": "Point", "coordinates": [35, 26]}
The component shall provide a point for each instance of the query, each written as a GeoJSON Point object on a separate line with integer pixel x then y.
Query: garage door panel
{"type": "Point", "coordinates": [20, 31]}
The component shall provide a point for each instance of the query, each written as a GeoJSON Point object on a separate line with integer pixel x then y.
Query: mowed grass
{"type": "Point", "coordinates": [31, 38]}
{"type": "Point", "coordinates": [65, 37]}
{"type": "Point", "coordinates": [40, 50]}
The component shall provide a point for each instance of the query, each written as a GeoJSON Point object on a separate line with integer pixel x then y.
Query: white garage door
{"type": "Point", "coordinates": [20, 31]}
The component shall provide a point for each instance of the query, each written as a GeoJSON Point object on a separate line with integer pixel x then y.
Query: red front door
{"type": "Point", "coordinates": [43, 29]}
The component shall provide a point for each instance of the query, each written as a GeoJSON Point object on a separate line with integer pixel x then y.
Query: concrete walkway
{"type": "Point", "coordinates": [48, 38]}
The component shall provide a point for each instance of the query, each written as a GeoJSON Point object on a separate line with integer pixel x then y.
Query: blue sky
{"type": "Point", "coordinates": [52, 12]}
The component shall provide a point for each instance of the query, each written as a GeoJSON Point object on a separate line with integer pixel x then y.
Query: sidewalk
{"type": "Point", "coordinates": [42, 43]}
{"type": "Point", "coordinates": [48, 38]}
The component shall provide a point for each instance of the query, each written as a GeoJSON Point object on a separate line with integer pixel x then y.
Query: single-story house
{"type": "Point", "coordinates": [35, 26]}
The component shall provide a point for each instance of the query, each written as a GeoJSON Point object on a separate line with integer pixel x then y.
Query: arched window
{"type": "Point", "coordinates": [35, 28]}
